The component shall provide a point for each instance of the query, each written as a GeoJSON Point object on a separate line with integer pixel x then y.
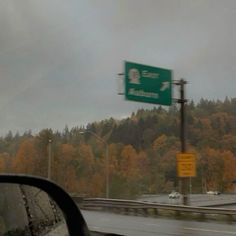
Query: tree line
{"type": "Point", "coordinates": [142, 151]}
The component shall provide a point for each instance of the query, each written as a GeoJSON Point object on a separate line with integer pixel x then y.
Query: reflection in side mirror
{"type": "Point", "coordinates": [27, 210]}
{"type": "Point", "coordinates": [34, 206]}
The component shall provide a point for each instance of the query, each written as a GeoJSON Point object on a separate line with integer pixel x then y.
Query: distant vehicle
{"type": "Point", "coordinates": [210, 192]}
{"type": "Point", "coordinates": [213, 193]}
{"type": "Point", "coordinates": [174, 195]}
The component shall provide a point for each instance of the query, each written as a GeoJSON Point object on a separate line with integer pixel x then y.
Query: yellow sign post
{"type": "Point", "coordinates": [186, 164]}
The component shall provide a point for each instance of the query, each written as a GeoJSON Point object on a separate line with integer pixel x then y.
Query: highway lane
{"type": "Point", "coordinates": [143, 226]}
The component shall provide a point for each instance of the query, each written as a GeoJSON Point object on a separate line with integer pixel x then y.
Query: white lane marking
{"type": "Point", "coordinates": [213, 231]}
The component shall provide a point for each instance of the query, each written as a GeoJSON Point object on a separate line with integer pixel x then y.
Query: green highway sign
{"type": "Point", "coordinates": [148, 84]}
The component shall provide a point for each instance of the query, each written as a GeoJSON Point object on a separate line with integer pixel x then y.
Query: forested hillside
{"type": "Point", "coordinates": [142, 151]}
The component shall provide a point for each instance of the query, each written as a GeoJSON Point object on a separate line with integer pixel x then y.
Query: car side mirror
{"type": "Point", "coordinates": [35, 206]}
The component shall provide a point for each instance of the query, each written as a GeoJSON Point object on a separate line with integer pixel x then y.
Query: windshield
{"type": "Point", "coordinates": [128, 100]}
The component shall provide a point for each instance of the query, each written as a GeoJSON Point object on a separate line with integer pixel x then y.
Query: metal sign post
{"type": "Point", "coordinates": [182, 102]}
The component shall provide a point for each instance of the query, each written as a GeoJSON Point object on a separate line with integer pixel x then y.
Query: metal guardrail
{"type": "Point", "coordinates": [153, 209]}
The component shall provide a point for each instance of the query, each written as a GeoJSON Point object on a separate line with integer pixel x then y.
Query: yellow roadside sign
{"type": "Point", "coordinates": [186, 164]}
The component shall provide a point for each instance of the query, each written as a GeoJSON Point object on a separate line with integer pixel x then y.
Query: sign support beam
{"type": "Point", "coordinates": [183, 102]}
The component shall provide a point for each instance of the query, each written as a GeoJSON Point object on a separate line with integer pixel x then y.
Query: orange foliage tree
{"type": "Point", "coordinates": [25, 160]}
{"type": "Point", "coordinates": [212, 166]}
{"type": "Point", "coordinates": [229, 175]}
{"type": "Point", "coordinates": [63, 168]}
{"type": "Point", "coordinates": [90, 172]}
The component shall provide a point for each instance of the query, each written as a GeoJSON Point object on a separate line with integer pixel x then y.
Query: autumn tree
{"type": "Point", "coordinates": [63, 168]}
{"type": "Point", "coordinates": [87, 167]}
{"type": "Point", "coordinates": [25, 160]}
{"type": "Point", "coordinates": [212, 166]}
{"type": "Point", "coordinates": [5, 163]}
{"type": "Point", "coordinates": [42, 144]}
{"type": "Point", "coordinates": [131, 171]}
{"type": "Point", "coordinates": [229, 175]}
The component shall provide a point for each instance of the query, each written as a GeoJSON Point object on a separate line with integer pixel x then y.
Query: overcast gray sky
{"type": "Point", "coordinates": [59, 59]}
